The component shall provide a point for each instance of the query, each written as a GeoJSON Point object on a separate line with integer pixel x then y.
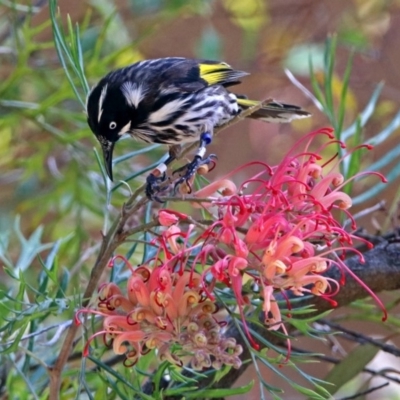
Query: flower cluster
{"type": "Point", "coordinates": [166, 311]}
{"type": "Point", "coordinates": [279, 231]}
{"type": "Point", "coordinates": [280, 228]}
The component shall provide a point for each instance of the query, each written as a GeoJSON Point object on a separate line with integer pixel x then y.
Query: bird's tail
{"type": "Point", "coordinates": [274, 111]}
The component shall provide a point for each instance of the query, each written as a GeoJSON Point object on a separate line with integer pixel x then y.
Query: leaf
{"type": "Point", "coordinates": [305, 91]}
{"type": "Point", "coordinates": [365, 115]}
{"type": "Point", "coordinates": [135, 153]}
{"type": "Point", "coordinates": [119, 377]}
{"type": "Point", "coordinates": [178, 377]}
{"type": "Point", "coordinates": [343, 95]}
{"type": "Point", "coordinates": [385, 159]}
{"type": "Point", "coordinates": [135, 175]}
{"type": "Point", "coordinates": [69, 52]}
{"type": "Point", "coordinates": [350, 367]}
{"type": "Point", "coordinates": [329, 63]}
{"type": "Point", "coordinates": [181, 390]}
{"type": "Point", "coordinates": [378, 188]}
{"type": "Point", "coordinates": [309, 392]}
{"type": "Point", "coordinates": [387, 131]}
{"type": "Point", "coordinates": [353, 165]}
{"type": "Point", "coordinates": [29, 247]}
{"type": "Point", "coordinates": [319, 389]}
{"type": "Point", "coordinates": [218, 393]}
{"type": "Point", "coordinates": [219, 374]}
{"type": "Point", "coordinates": [316, 87]}
{"type": "Point", "coordinates": [158, 376]}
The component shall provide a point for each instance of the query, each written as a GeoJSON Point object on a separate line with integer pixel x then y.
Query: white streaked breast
{"type": "Point", "coordinates": [166, 110]}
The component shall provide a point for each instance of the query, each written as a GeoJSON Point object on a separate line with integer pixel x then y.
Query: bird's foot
{"type": "Point", "coordinates": [154, 185]}
{"type": "Point", "coordinates": [191, 169]}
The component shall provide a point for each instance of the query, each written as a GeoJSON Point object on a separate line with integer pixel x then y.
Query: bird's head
{"type": "Point", "coordinates": [109, 117]}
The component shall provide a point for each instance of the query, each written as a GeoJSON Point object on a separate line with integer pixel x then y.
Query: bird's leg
{"type": "Point", "coordinates": [199, 160]}
{"type": "Point", "coordinates": [158, 175]}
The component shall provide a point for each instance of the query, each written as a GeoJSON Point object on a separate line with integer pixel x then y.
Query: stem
{"type": "Point", "coordinates": [115, 237]}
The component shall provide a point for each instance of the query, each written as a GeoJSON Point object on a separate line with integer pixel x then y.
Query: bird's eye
{"type": "Point", "coordinates": [113, 125]}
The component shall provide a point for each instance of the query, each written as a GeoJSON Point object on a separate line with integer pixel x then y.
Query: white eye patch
{"type": "Point", "coordinates": [113, 125]}
{"type": "Point", "coordinates": [125, 129]}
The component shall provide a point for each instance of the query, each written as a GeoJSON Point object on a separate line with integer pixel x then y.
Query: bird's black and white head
{"type": "Point", "coordinates": [110, 108]}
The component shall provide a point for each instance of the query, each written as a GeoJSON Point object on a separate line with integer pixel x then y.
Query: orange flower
{"type": "Point", "coordinates": [166, 311]}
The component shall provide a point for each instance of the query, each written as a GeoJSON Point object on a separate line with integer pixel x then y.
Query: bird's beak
{"type": "Point", "coordinates": [108, 149]}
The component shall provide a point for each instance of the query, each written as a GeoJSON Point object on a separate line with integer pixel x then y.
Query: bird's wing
{"type": "Point", "coordinates": [219, 73]}
{"type": "Point", "coordinates": [189, 75]}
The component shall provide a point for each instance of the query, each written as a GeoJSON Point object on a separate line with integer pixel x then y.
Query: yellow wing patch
{"type": "Point", "coordinates": [210, 68]}
{"type": "Point", "coordinates": [247, 103]}
{"type": "Point", "coordinates": [219, 73]}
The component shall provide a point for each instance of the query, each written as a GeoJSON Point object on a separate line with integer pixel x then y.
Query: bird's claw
{"type": "Point", "coordinates": [191, 168]}
{"type": "Point", "coordinates": [153, 186]}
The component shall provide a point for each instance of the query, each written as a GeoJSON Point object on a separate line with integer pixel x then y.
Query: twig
{"type": "Point", "coordinates": [360, 338]}
{"type": "Point", "coordinates": [333, 360]}
{"type": "Point", "coordinates": [141, 228]}
{"type": "Point", "coordinates": [60, 328]}
{"type": "Point", "coordinates": [189, 199]}
{"type": "Point", "coordinates": [111, 241]}
{"type": "Point", "coordinates": [366, 211]}
{"type": "Point", "coordinates": [359, 394]}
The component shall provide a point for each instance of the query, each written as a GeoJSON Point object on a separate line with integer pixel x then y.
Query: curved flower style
{"type": "Point", "coordinates": [280, 228]}
{"type": "Point", "coordinates": [279, 231]}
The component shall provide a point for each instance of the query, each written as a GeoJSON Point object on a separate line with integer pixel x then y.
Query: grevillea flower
{"type": "Point", "coordinates": [279, 228]}
{"type": "Point", "coordinates": [279, 231]}
{"type": "Point", "coordinates": [167, 218]}
{"type": "Point", "coordinates": [166, 311]}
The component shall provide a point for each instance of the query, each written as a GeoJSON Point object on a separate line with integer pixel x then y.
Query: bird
{"type": "Point", "coordinates": [172, 101]}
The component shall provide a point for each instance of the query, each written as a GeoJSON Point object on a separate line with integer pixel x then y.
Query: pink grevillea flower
{"type": "Point", "coordinates": [170, 217]}
{"type": "Point", "coordinates": [280, 228]}
{"type": "Point", "coordinates": [166, 311]}
{"type": "Point", "coordinates": [166, 218]}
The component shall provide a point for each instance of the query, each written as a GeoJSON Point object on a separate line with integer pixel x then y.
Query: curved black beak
{"type": "Point", "coordinates": [108, 149]}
